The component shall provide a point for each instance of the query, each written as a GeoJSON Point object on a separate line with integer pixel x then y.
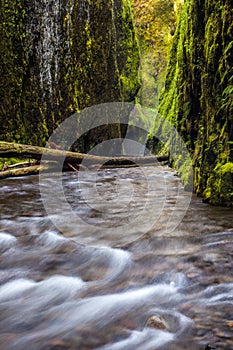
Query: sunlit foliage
{"type": "Point", "coordinates": [155, 22]}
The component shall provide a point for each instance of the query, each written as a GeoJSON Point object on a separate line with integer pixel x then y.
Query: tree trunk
{"type": "Point", "coordinates": [10, 150]}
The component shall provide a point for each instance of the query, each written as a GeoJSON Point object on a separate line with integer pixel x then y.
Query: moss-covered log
{"type": "Point", "coordinates": [9, 150]}
{"type": "Point", "coordinates": [24, 171]}
{"type": "Point", "coordinates": [198, 94]}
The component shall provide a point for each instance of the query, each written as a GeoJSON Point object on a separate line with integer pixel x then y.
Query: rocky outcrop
{"type": "Point", "coordinates": [198, 94]}
{"type": "Point", "coordinates": [58, 57]}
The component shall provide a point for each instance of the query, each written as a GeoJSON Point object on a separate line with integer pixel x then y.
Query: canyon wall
{"type": "Point", "coordinates": [198, 94]}
{"type": "Point", "coordinates": [60, 56]}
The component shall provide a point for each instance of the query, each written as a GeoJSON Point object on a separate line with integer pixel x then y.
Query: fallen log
{"type": "Point", "coordinates": [11, 150]}
{"type": "Point", "coordinates": [30, 170]}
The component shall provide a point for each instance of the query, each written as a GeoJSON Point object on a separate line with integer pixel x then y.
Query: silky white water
{"type": "Point", "coordinates": [91, 288]}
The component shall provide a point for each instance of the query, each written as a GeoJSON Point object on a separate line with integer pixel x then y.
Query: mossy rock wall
{"type": "Point", "coordinates": [198, 94]}
{"type": "Point", "coordinates": [58, 57]}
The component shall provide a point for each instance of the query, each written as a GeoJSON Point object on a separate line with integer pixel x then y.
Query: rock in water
{"type": "Point", "coordinates": [157, 322]}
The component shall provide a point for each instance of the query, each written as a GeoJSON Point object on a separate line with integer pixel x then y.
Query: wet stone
{"type": "Point", "coordinates": [157, 322]}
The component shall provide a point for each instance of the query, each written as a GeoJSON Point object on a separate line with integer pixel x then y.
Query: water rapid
{"type": "Point", "coordinates": [93, 288]}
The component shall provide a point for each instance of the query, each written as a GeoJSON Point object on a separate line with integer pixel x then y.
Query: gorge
{"type": "Point", "coordinates": [57, 58]}
{"type": "Point", "coordinates": [119, 253]}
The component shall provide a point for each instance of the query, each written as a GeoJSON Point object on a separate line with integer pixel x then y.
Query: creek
{"type": "Point", "coordinates": [95, 286]}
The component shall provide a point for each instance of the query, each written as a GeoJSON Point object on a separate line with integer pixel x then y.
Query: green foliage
{"type": "Point", "coordinates": [154, 22]}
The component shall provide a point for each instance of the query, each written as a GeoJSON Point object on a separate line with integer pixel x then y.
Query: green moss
{"type": "Point", "coordinates": [220, 185]}
{"type": "Point", "coordinates": [10, 161]}
{"type": "Point", "coordinates": [198, 94]}
{"type": "Point", "coordinates": [93, 60]}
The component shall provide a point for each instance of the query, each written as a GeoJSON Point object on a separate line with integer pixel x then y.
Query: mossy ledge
{"type": "Point", "coordinates": [198, 94]}
{"type": "Point", "coordinates": [59, 57]}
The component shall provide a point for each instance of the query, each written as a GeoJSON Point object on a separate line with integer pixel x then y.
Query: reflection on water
{"type": "Point", "coordinates": [91, 289]}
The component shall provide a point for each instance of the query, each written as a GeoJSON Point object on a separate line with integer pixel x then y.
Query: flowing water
{"type": "Point", "coordinates": [95, 286]}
